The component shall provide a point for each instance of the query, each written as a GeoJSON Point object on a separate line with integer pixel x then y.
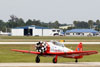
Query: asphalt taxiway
{"type": "Point", "coordinates": [67, 64]}
{"type": "Point", "coordinates": [36, 42]}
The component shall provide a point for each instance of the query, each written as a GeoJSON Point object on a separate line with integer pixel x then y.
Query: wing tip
{"type": "Point", "coordinates": [13, 49]}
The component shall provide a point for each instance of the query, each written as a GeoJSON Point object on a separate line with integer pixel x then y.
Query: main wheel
{"type": "Point", "coordinates": [54, 60]}
{"type": "Point", "coordinates": [76, 60]}
{"type": "Point", "coordinates": [37, 60]}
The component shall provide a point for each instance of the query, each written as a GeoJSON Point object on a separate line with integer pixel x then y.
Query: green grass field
{"type": "Point", "coordinates": [47, 38]}
{"type": "Point", "coordinates": [6, 55]}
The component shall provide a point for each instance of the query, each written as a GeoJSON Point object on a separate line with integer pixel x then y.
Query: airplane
{"type": "Point", "coordinates": [55, 49]}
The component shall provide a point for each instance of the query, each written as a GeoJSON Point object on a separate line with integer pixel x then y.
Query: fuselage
{"type": "Point", "coordinates": [61, 48]}
{"type": "Point", "coordinates": [55, 47]}
{"type": "Point", "coordinates": [58, 48]}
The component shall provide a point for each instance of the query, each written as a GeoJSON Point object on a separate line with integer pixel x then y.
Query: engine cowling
{"type": "Point", "coordinates": [41, 47]}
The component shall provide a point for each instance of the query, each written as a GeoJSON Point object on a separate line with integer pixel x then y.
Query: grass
{"type": "Point", "coordinates": [47, 38]}
{"type": "Point", "coordinates": [6, 55]}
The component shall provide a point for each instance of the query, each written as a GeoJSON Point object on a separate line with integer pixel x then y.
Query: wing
{"type": "Point", "coordinates": [78, 53]}
{"type": "Point", "coordinates": [83, 52]}
{"type": "Point", "coordinates": [26, 51]}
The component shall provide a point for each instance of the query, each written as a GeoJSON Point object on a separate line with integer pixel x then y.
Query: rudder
{"type": "Point", "coordinates": [79, 47]}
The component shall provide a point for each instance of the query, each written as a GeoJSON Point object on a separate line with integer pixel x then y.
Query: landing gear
{"type": "Point", "coordinates": [37, 60]}
{"type": "Point", "coordinates": [54, 60]}
{"type": "Point", "coordinates": [76, 60]}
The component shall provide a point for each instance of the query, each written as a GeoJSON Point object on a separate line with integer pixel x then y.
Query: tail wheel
{"type": "Point", "coordinates": [37, 60]}
{"type": "Point", "coordinates": [76, 60]}
{"type": "Point", "coordinates": [54, 60]}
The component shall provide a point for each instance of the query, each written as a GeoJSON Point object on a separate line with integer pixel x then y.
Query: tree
{"type": "Point", "coordinates": [81, 24]}
{"type": "Point", "coordinates": [90, 22]}
{"type": "Point", "coordinates": [37, 22]}
{"type": "Point", "coordinates": [29, 22]}
{"type": "Point", "coordinates": [97, 25]}
{"type": "Point", "coordinates": [13, 21]}
{"type": "Point", "coordinates": [56, 24]}
{"type": "Point", "coordinates": [44, 24]}
{"type": "Point", "coordinates": [75, 23]}
{"type": "Point", "coordinates": [20, 22]}
{"type": "Point", "coordinates": [2, 26]}
{"type": "Point", "coordinates": [97, 22]}
{"type": "Point", "coordinates": [84, 24]}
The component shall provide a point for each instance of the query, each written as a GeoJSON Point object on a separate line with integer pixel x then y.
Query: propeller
{"type": "Point", "coordinates": [41, 46]}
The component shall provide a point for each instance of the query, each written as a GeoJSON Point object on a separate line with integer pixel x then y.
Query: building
{"type": "Point", "coordinates": [34, 31]}
{"type": "Point", "coordinates": [66, 27]}
{"type": "Point", "coordinates": [82, 32]}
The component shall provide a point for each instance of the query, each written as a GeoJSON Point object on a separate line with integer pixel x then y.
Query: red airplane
{"type": "Point", "coordinates": [56, 49]}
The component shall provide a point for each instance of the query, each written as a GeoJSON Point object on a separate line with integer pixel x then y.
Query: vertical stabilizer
{"type": "Point", "coordinates": [79, 47]}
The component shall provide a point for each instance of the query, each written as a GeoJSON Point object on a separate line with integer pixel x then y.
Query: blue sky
{"type": "Point", "coordinates": [65, 11]}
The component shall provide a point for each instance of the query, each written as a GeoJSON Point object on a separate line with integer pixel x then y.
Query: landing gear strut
{"type": "Point", "coordinates": [54, 60]}
{"type": "Point", "coordinates": [76, 60]}
{"type": "Point", "coordinates": [37, 60]}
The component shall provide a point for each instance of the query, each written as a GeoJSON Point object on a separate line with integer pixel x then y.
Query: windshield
{"type": "Point", "coordinates": [57, 43]}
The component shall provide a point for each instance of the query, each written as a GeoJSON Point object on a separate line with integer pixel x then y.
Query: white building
{"type": "Point", "coordinates": [34, 31]}
{"type": "Point", "coordinates": [82, 32]}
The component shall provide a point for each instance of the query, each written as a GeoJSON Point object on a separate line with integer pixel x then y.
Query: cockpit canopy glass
{"type": "Point", "coordinates": [57, 43]}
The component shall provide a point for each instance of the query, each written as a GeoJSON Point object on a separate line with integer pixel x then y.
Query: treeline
{"type": "Point", "coordinates": [19, 22]}
{"type": "Point", "coordinates": [88, 25]}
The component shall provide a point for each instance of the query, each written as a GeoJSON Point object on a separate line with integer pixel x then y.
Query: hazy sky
{"type": "Point", "coordinates": [65, 11]}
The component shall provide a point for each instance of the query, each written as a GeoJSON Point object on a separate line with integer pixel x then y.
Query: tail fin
{"type": "Point", "coordinates": [79, 47]}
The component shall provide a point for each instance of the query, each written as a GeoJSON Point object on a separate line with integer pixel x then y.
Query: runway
{"type": "Point", "coordinates": [67, 64]}
{"type": "Point", "coordinates": [36, 42]}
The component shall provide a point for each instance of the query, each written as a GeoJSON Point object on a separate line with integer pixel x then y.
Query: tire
{"type": "Point", "coordinates": [37, 60]}
{"type": "Point", "coordinates": [54, 60]}
{"type": "Point", "coordinates": [76, 60]}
